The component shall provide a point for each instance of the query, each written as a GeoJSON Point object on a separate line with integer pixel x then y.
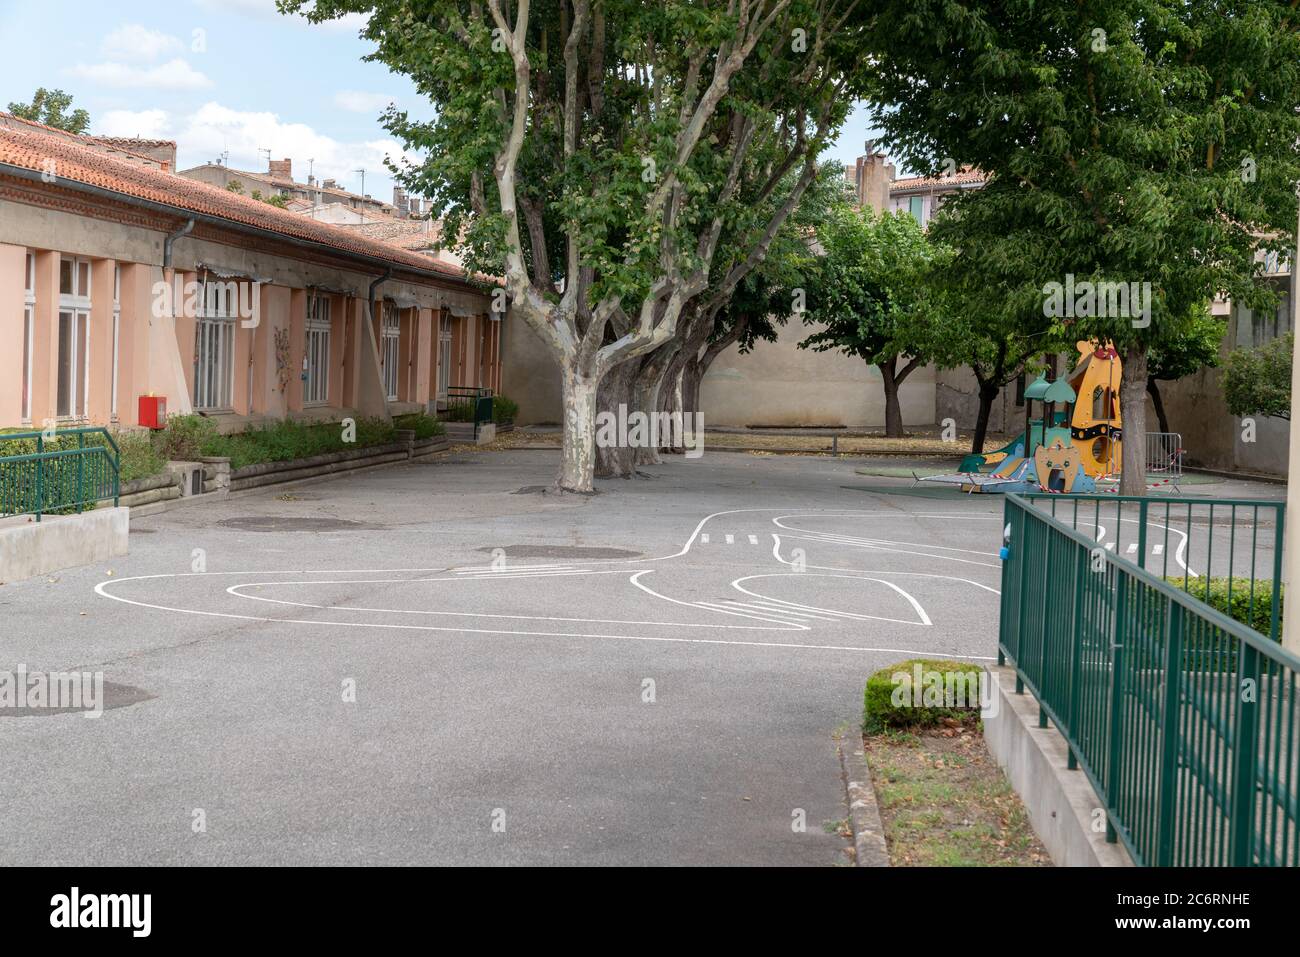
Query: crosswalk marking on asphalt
{"type": "Point", "coordinates": [753, 539]}
{"type": "Point", "coordinates": [731, 539]}
{"type": "Point", "coordinates": [1132, 547]}
{"type": "Point", "coordinates": [1157, 549]}
{"type": "Point", "coordinates": [704, 539]}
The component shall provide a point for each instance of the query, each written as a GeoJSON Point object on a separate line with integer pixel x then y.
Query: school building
{"type": "Point", "coordinates": [121, 279]}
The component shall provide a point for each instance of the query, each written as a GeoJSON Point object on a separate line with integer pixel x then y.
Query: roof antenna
{"type": "Point", "coordinates": [261, 149]}
{"type": "Point", "coordinates": [363, 180]}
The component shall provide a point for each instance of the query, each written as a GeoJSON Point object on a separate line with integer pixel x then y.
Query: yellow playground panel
{"type": "Point", "coordinates": [1096, 428]}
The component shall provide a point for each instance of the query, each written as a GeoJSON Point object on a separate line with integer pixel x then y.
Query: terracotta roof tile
{"type": "Point", "coordinates": [965, 176]}
{"type": "Point", "coordinates": [83, 164]}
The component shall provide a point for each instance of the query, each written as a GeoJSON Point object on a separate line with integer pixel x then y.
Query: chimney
{"type": "Point", "coordinates": [330, 184]}
{"type": "Point", "coordinates": [281, 169]}
{"type": "Point", "coordinates": [871, 177]}
{"type": "Point", "coordinates": [417, 206]}
{"type": "Point", "coordinates": [401, 202]}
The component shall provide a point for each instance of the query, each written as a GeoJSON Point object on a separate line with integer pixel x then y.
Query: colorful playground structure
{"type": "Point", "coordinates": [1076, 441]}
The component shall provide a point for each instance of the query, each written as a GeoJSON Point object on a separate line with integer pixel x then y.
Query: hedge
{"type": "Point", "coordinates": [945, 691]}
{"type": "Point", "coordinates": [1239, 607]}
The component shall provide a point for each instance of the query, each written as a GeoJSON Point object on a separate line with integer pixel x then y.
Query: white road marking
{"type": "Point", "coordinates": [1158, 548]}
{"type": "Point", "coordinates": [731, 539]}
{"type": "Point", "coordinates": [753, 539]}
{"type": "Point", "coordinates": [704, 539]}
{"type": "Point", "coordinates": [1132, 547]}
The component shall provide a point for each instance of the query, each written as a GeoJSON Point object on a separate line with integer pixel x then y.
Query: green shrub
{"type": "Point", "coordinates": [139, 457]}
{"type": "Point", "coordinates": [945, 691]}
{"type": "Point", "coordinates": [185, 437]}
{"type": "Point", "coordinates": [424, 426]}
{"type": "Point", "coordinates": [1254, 611]}
{"type": "Point", "coordinates": [504, 409]}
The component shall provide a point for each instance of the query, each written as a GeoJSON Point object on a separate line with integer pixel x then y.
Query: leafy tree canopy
{"type": "Point", "coordinates": [51, 108]}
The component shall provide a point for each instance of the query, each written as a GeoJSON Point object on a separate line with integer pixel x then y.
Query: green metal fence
{"type": "Point", "coordinates": [1226, 552]}
{"type": "Point", "coordinates": [69, 471]}
{"type": "Point", "coordinates": [1186, 722]}
{"type": "Point", "coordinates": [475, 405]}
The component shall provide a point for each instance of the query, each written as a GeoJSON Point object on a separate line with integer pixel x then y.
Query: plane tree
{"type": "Point", "coordinates": [589, 153]}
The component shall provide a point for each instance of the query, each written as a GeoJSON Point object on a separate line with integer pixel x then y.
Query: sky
{"type": "Point", "coordinates": [232, 76]}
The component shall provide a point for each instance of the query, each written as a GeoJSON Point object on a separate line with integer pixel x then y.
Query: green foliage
{"type": "Point", "coordinates": [51, 108]}
{"type": "Point", "coordinates": [424, 426]}
{"type": "Point", "coordinates": [1258, 381]}
{"type": "Point", "coordinates": [185, 437]}
{"type": "Point", "coordinates": [504, 409]}
{"type": "Point", "coordinates": [870, 291]}
{"type": "Point", "coordinates": [1236, 598]}
{"type": "Point", "coordinates": [889, 703]}
{"type": "Point", "coordinates": [1126, 141]}
{"type": "Point", "coordinates": [1193, 347]}
{"type": "Point", "coordinates": [188, 437]}
{"type": "Point", "coordinates": [140, 459]}
{"type": "Point", "coordinates": [235, 186]}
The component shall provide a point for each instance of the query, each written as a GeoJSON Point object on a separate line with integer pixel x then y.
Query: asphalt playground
{"type": "Point", "coordinates": [435, 664]}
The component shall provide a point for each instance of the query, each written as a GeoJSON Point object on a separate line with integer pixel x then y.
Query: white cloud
{"type": "Point", "coordinates": [134, 42]}
{"type": "Point", "coordinates": [172, 75]}
{"type": "Point", "coordinates": [214, 128]}
{"type": "Point", "coordinates": [355, 101]}
{"type": "Point", "coordinates": [146, 124]}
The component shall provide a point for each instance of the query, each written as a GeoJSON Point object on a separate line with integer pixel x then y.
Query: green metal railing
{"type": "Point", "coordinates": [72, 470]}
{"type": "Point", "coordinates": [1226, 552]}
{"type": "Point", "coordinates": [1186, 722]}
{"type": "Point", "coordinates": [478, 400]}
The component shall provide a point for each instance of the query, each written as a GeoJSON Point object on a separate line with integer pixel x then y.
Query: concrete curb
{"type": "Point", "coordinates": [1060, 802]}
{"type": "Point", "coordinates": [869, 848]}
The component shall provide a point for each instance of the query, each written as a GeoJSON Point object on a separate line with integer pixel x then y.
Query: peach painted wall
{"type": "Point", "coordinates": [100, 334]}
{"type": "Point", "coordinates": [13, 265]}
{"type": "Point", "coordinates": [424, 352]}
{"type": "Point", "coordinates": [133, 340]}
{"type": "Point", "coordinates": [45, 342]}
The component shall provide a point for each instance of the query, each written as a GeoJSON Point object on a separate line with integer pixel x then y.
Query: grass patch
{"type": "Point", "coordinates": [944, 802]}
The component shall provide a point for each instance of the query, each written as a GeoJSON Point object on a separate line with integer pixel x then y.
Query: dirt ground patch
{"type": "Point", "coordinates": [848, 442]}
{"type": "Point", "coordinates": [945, 802]}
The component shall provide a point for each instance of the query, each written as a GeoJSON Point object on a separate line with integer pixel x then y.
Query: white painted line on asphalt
{"type": "Point", "coordinates": [1132, 547]}
{"type": "Point", "coordinates": [731, 539]}
{"type": "Point", "coordinates": [1158, 549]}
{"type": "Point", "coordinates": [753, 539]}
{"type": "Point", "coordinates": [315, 623]}
{"type": "Point", "coordinates": [704, 539]}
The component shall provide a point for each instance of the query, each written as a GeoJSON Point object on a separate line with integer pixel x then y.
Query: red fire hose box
{"type": "Point", "coordinates": [153, 411]}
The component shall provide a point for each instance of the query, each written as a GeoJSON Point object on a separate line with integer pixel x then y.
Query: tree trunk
{"type": "Point", "coordinates": [1133, 410]}
{"type": "Point", "coordinates": [577, 453]}
{"type": "Point", "coordinates": [1153, 390]}
{"type": "Point", "coordinates": [988, 392]}
{"type": "Point", "coordinates": [893, 412]}
{"type": "Point", "coordinates": [614, 457]}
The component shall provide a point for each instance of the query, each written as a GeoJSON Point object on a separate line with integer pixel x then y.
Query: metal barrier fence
{"type": "Point", "coordinates": [1226, 552]}
{"type": "Point", "coordinates": [478, 400]}
{"type": "Point", "coordinates": [1186, 722]}
{"type": "Point", "coordinates": [1164, 458]}
{"type": "Point", "coordinates": [57, 476]}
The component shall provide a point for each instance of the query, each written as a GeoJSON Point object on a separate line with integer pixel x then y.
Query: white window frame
{"type": "Point", "coordinates": [316, 352]}
{"type": "Point", "coordinates": [117, 326]}
{"type": "Point", "coordinates": [29, 333]}
{"type": "Point", "coordinates": [214, 349]}
{"type": "Point", "coordinates": [444, 356]}
{"type": "Point", "coordinates": [390, 334]}
{"type": "Point", "coordinates": [76, 306]}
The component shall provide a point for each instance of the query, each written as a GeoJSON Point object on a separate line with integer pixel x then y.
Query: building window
{"type": "Point", "coordinates": [29, 313]}
{"type": "Point", "coordinates": [74, 338]}
{"type": "Point", "coordinates": [444, 356]}
{"type": "Point", "coordinates": [214, 346]}
{"type": "Point", "coordinates": [117, 325]}
{"type": "Point", "coordinates": [390, 335]}
{"type": "Point", "coordinates": [316, 353]}
{"type": "Point", "coordinates": [916, 206]}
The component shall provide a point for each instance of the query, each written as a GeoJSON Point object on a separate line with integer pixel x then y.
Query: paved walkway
{"type": "Point", "coordinates": [652, 675]}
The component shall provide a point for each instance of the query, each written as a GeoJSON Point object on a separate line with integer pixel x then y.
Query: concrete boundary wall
{"type": "Point", "coordinates": [29, 548]}
{"type": "Point", "coordinates": [1061, 803]}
